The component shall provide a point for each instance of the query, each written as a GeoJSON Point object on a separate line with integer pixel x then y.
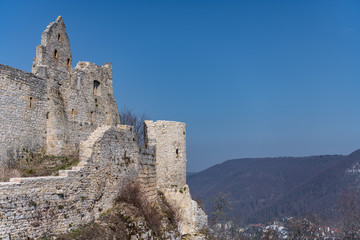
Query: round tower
{"type": "Point", "coordinates": [169, 139]}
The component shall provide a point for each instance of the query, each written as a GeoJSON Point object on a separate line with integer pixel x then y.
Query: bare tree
{"type": "Point", "coordinates": [128, 117]}
{"type": "Point", "coordinates": [350, 213]}
{"type": "Point", "coordinates": [222, 203]}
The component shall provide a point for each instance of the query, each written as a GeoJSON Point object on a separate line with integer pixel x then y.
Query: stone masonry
{"type": "Point", "coordinates": [170, 141]}
{"type": "Point", "coordinates": [56, 107]}
{"type": "Point", "coordinates": [59, 110]}
{"type": "Point", "coordinates": [32, 206]}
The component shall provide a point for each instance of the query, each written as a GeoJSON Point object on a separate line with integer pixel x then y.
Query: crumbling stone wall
{"type": "Point", "coordinates": [67, 104]}
{"type": "Point", "coordinates": [80, 99]}
{"type": "Point", "coordinates": [80, 107]}
{"type": "Point", "coordinates": [32, 207]}
{"type": "Point", "coordinates": [147, 172]}
{"type": "Point", "coordinates": [54, 50]}
{"type": "Point", "coordinates": [23, 105]}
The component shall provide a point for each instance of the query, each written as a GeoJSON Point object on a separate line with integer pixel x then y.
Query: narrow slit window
{"type": "Point", "coordinates": [30, 102]}
{"type": "Point", "coordinates": [59, 37]}
{"type": "Point", "coordinates": [177, 153]}
{"type": "Point", "coordinates": [78, 83]}
{"type": "Point", "coordinates": [91, 117]}
{"type": "Point", "coordinates": [68, 62]}
{"type": "Point", "coordinates": [96, 88]}
{"type": "Point", "coordinates": [56, 54]}
{"type": "Point", "coordinates": [47, 115]}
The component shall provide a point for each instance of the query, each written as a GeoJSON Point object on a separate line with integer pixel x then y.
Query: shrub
{"type": "Point", "coordinates": [168, 210]}
{"type": "Point", "coordinates": [131, 193]}
{"type": "Point", "coordinates": [129, 117]}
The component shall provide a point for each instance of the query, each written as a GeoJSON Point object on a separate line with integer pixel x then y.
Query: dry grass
{"type": "Point", "coordinates": [131, 193]}
{"type": "Point", "coordinates": [119, 222]}
{"type": "Point", "coordinates": [169, 211]}
{"type": "Point", "coordinates": [6, 173]}
{"type": "Point", "coordinates": [39, 165]}
{"type": "Point", "coordinates": [131, 207]}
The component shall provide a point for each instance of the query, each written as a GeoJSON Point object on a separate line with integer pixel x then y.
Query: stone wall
{"type": "Point", "coordinates": [30, 207]}
{"type": "Point", "coordinates": [147, 172]}
{"type": "Point", "coordinates": [22, 114]}
{"type": "Point", "coordinates": [169, 138]}
{"type": "Point", "coordinates": [77, 108]}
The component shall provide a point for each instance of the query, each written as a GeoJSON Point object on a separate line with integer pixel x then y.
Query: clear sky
{"type": "Point", "coordinates": [250, 78]}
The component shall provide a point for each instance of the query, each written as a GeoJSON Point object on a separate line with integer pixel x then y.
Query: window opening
{"type": "Point", "coordinates": [56, 54]}
{"type": "Point", "coordinates": [78, 83]}
{"type": "Point", "coordinates": [59, 37]}
{"type": "Point", "coordinates": [96, 88]}
{"type": "Point", "coordinates": [68, 62]}
{"type": "Point", "coordinates": [92, 117]}
{"type": "Point", "coordinates": [177, 153]}
{"type": "Point", "coordinates": [30, 103]}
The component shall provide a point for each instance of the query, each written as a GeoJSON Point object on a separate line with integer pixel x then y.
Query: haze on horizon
{"type": "Point", "coordinates": [249, 78]}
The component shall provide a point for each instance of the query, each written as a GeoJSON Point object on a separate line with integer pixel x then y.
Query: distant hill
{"type": "Point", "coordinates": [263, 189]}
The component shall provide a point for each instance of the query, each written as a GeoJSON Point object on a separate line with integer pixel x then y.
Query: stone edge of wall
{"type": "Point", "coordinates": [86, 149]}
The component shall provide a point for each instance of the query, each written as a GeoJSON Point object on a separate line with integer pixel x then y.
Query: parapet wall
{"type": "Point", "coordinates": [30, 207]}
{"type": "Point", "coordinates": [22, 114]}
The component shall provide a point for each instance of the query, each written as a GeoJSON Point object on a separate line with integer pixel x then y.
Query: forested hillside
{"type": "Point", "coordinates": [262, 189]}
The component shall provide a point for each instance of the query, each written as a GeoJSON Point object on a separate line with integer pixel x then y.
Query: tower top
{"type": "Point", "coordinates": [54, 50]}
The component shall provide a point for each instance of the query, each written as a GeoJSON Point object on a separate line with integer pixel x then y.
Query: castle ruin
{"type": "Point", "coordinates": [58, 110]}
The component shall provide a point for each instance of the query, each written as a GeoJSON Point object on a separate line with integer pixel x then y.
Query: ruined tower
{"type": "Point", "coordinates": [57, 106]}
{"type": "Point", "coordinates": [54, 51]}
{"type": "Point", "coordinates": [169, 138]}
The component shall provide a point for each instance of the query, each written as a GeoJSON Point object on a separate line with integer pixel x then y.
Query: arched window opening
{"type": "Point", "coordinates": [56, 54]}
{"type": "Point", "coordinates": [68, 62]}
{"type": "Point", "coordinates": [59, 37]}
{"type": "Point", "coordinates": [96, 88]}
{"type": "Point", "coordinates": [30, 103]}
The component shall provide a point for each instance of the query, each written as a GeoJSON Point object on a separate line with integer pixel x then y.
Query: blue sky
{"type": "Point", "coordinates": [250, 78]}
